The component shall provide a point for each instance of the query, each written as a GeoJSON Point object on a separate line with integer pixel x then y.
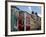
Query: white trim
{"type": "Point", "coordinates": [23, 32]}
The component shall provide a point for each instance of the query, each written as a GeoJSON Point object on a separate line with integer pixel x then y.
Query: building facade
{"type": "Point", "coordinates": [24, 21]}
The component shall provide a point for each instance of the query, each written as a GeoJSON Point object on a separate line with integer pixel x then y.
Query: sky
{"type": "Point", "coordinates": [30, 8]}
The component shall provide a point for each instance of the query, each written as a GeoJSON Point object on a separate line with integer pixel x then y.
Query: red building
{"type": "Point", "coordinates": [21, 21]}
{"type": "Point", "coordinates": [28, 17]}
{"type": "Point", "coordinates": [22, 25]}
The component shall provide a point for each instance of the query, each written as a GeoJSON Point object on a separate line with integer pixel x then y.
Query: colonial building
{"type": "Point", "coordinates": [14, 18]}
{"type": "Point", "coordinates": [35, 22]}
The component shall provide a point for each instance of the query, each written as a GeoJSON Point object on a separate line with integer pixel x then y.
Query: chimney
{"type": "Point", "coordinates": [36, 14]}
{"type": "Point", "coordinates": [32, 12]}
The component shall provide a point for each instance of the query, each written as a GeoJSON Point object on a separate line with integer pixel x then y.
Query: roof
{"type": "Point", "coordinates": [15, 7]}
